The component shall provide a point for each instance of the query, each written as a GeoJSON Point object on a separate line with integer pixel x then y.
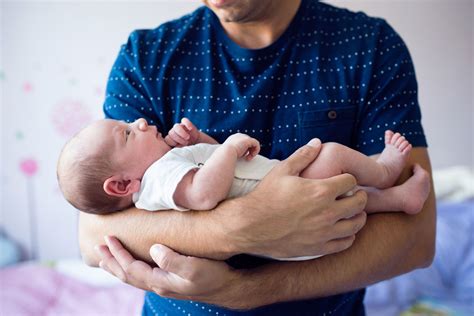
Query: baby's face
{"type": "Point", "coordinates": [134, 147]}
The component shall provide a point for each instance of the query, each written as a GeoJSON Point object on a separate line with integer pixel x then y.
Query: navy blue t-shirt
{"type": "Point", "coordinates": [333, 74]}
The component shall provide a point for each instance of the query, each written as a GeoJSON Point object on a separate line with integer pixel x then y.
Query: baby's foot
{"type": "Point", "coordinates": [393, 158]}
{"type": "Point", "coordinates": [414, 192]}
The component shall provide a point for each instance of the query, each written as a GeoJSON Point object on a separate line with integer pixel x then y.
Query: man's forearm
{"type": "Point", "coordinates": [192, 233]}
{"type": "Point", "coordinates": [382, 250]}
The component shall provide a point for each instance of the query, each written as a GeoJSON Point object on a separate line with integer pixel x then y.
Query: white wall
{"type": "Point", "coordinates": [55, 58]}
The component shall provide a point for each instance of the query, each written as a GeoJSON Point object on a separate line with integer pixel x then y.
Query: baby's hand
{"type": "Point", "coordinates": [244, 145]}
{"type": "Point", "coordinates": [182, 134]}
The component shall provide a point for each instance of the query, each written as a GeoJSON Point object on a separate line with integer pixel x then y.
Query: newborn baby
{"type": "Point", "coordinates": [110, 165]}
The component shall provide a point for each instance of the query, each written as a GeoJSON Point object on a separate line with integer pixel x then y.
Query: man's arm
{"type": "Point", "coordinates": [191, 232]}
{"type": "Point", "coordinates": [390, 244]}
{"type": "Point", "coordinates": [282, 225]}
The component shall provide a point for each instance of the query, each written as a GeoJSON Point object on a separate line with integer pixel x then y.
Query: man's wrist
{"type": "Point", "coordinates": [232, 216]}
{"type": "Point", "coordinates": [227, 223]}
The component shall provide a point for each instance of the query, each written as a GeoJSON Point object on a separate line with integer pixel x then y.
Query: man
{"type": "Point", "coordinates": [283, 72]}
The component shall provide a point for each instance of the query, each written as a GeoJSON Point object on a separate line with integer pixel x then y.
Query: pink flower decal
{"type": "Point", "coordinates": [27, 87]}
{"type": "Point", "coordinates": [99, 91]}
{"type": "Point", "coordinates": [29, 166]}
{"type": "Point", "coordinates": [69, 116]}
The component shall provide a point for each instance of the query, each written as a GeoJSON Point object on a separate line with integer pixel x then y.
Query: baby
{"type": "Point", "coordinates": [110, 165]}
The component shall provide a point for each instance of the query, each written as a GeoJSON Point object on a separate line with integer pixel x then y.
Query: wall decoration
{"type": "Point", "coordinates": [29, 167]}
{"type": "Point", "coordinates": [99, 91]}
{"type": "Point", "coordinates": [27, 87]}
{"type": "Point", "coordinates": [19, 135]}
{"type": "Point", "coordinates": [69, 116]}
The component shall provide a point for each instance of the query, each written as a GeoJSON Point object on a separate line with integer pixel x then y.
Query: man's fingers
{"type": "Point", "coordinates": [338, 245]}
{"type": "Point", "coordinates": [109, 263]}
{"type": "Point", "coordinates": [160, 282]}
{"type": "Point", "coordinates": [168, 284]}
{"type": "Point", "coordinates": [349, 206]}
{"type": "Point", "coordinates": [177, 276]}
{"type": "Point", "coordinates": [348, 227]}
{"type": "Point", "coordinates": [341, 184]}
{"type": "Point", "coordinates": [301, 158]}
{"type": "Point", "coordinates": [123, 257]}
{"type": "Point", "coordinates": [139, 274]}
{"type": "Point", "coordinates": [175, 272]}
{"type": "Point", "coordinates": [169, 260]}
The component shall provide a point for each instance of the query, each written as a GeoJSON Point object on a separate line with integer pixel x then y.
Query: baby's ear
{"type": "Point", "coordinates": [117, 186]}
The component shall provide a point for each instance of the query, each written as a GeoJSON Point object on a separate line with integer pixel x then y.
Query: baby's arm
{"type": "Point", "coordinates": [203, 189]}
{"type": "Point", "coordinates": [185, 134]}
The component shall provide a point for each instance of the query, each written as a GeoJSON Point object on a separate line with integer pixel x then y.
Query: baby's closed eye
{"type": "Point", "coordinates": [127, 133]}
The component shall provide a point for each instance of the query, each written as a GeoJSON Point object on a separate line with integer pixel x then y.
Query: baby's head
{"type": "Point", "coordinates": [102, 166]}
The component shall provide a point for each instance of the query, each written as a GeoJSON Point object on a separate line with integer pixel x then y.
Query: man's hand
{"type": "Point", "coordinates": [175, 276]}
{"type": "Point", "coordinates": [288, 216]}
{"type": "Point", "coordinates": [244, 145]}
{"type": "Point", "coordinates": [183, 134]}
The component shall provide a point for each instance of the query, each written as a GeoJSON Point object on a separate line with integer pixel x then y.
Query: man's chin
{"type": "Point", "coordinates": [229, 10]}
{"type": "Point", "coordinates": [231, 17]}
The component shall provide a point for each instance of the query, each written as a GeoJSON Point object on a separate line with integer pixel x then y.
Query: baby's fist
{"type": "Point", "coordinates": [182, 134]}
{"type": "Point", "coordinates": [244, 145]}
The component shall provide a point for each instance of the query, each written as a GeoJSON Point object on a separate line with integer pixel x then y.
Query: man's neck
{"type": "Point", "coordinates": [265, 30]}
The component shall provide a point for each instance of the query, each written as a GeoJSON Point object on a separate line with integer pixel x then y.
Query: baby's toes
{"type": "Point", "coordinates": [395, 138]}
{"type": "Point", "coordinates": [388, 136]}
{"type": "Point", "coordinates": [403, 145]}
{"type": "Point", "coordinates": [407, 149]}
{"type": "Point", "coordinates": [400, 140]}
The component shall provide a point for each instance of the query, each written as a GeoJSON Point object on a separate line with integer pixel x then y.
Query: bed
{"type": "Point", "coordinates": [447, 286]}
{"type": "Point", "coordinates": [65, 287]}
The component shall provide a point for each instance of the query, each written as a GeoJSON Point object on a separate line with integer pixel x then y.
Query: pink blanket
{"type": "Point", "coordinates": [31, 289]}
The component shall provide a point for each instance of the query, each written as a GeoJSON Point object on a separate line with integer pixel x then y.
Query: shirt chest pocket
{"type": "Point", "coordinates": [329, 125]}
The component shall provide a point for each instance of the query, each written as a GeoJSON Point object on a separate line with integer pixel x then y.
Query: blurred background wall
{"type": "Point", "coordinates": [56, 55]}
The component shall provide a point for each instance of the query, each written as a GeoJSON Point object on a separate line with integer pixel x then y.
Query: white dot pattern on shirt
{"type": "Point", "coordinates": [340, 54]}
{"type": "Point", "coordinates": [322, 65]}
{"type": "Point", "coordinates": [155, 304]}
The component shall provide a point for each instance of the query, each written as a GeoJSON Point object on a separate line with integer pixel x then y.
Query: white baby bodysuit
{"type": "Point", "coordinates": [162, 178]}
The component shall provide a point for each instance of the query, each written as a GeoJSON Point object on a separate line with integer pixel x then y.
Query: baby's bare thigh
{"type": "Point", "coordinates": [330, 162]}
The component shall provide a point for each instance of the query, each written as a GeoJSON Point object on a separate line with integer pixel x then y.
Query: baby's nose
{"type": "Point", "coordinates": [141, 124]}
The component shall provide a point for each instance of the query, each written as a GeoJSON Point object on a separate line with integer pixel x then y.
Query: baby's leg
{"type": "Point", "coordinates": [335, 159]}
{"type": "Point", "coordinates": [408, 197]}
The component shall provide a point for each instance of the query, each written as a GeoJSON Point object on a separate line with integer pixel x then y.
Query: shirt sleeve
{"type": "Point", "coordinates": [391, 101]}
{"type": "Point", "coordinates": [127, 98]}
